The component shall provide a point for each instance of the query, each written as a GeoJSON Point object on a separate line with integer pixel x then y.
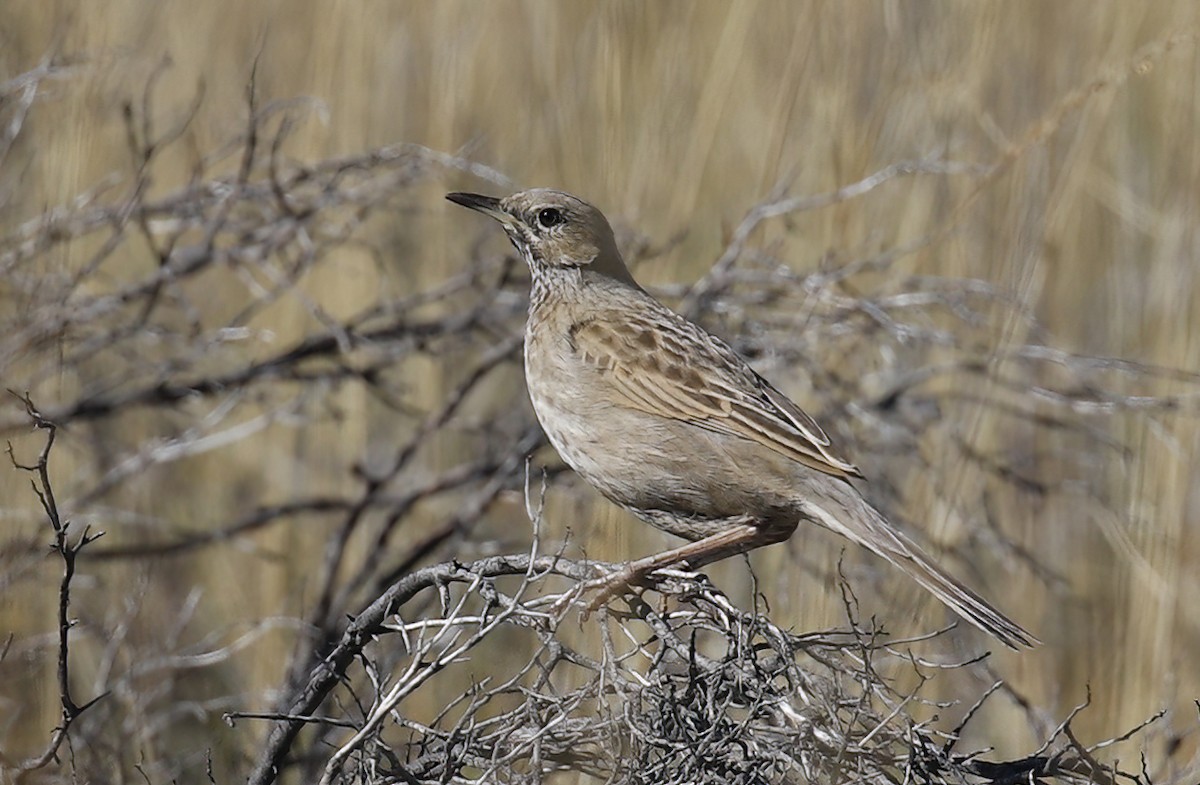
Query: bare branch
{"type": "Point", "coordinates": [68, 551]}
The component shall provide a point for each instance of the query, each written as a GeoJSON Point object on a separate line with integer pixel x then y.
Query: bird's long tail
{"type": "Point", "coordinates": [854, 518]}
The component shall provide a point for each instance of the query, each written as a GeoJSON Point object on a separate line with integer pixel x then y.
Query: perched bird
{"type": "Point", "coordinates": [670, 423]}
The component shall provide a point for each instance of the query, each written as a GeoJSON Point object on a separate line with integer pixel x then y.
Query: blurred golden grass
{"type": "Point", "coordinates": [675, 118]}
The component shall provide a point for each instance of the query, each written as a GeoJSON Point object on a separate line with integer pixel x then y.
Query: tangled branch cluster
{"type": "Point", "coordinates": [684, 688]}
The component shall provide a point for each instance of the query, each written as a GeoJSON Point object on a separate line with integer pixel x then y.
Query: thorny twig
{"type": "Point", "coordinates": [68, 551]}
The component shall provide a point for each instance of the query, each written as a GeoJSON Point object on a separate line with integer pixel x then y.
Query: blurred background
{"type": "Point", "coordinates": [953, 327]}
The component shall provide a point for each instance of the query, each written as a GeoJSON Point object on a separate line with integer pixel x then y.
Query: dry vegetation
{"type": "Point", "coordinates": [268, 392]}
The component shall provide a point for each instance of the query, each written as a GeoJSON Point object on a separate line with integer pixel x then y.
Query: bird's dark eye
{"type": "Point", "coordinates": [549, 217]}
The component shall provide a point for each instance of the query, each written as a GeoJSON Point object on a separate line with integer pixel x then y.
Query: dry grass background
{"type": "Point", "coordinates": [675, 118]}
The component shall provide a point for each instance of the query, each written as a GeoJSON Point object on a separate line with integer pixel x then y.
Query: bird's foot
{"type": "Point", "coordinates": [617, 582]}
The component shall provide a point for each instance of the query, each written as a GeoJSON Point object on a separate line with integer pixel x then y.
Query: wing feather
{"type": "Point", "coordinates": [665, 365]}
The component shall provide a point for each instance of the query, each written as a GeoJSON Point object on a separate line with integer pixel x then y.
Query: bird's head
{"type": "Point", "coordinates": [553, 229]}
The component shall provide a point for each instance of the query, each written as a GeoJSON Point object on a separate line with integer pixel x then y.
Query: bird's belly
{"type": "Point", "coordinates": [660, 468]}
{"type": "Point", "coordinates": [595, 442]}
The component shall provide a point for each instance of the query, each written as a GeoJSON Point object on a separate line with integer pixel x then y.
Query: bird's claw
{"type": "Point", "coordinates": [606, 588]}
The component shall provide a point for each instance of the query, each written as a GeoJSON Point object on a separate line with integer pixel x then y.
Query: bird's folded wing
{"type": "Point", "coordinates": [674, 369]}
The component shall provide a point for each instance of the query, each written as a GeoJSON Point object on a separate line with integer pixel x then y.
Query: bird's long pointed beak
{"type": "Point", "coordinates": [488, 205]}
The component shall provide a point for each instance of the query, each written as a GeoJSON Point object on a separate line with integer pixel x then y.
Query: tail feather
{"type": "Point", "coordinates": [961, 599]}
{"type": "Point", "coordinates": [859, 522]}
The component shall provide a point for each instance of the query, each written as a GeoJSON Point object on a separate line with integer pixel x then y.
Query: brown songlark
{"type": "Point", "coordinates": [668, 422]}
